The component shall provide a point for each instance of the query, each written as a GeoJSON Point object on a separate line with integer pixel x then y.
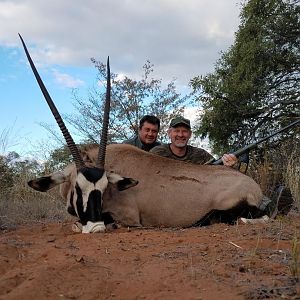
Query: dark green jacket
{"type": "Point", "coordinates": [135, 141]}
{"type": "Point", "coordinates": [193, 154]}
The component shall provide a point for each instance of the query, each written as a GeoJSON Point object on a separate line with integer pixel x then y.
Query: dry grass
{"type": "Point", "coordinates": [263, 173]}
{"type": "Point", "coordinates": [19, 205]}
{"type": "Point", "coordinates": [279, 166]}
{"type": "Point", "coordinates": [294, 261]}
{"type": "Point", "coordinates": [292, 174]}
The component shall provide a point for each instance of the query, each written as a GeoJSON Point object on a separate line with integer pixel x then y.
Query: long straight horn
{"type": "Point", "coordinates": [103, 142]}
{"type": "Point", "coordinates": [71, 145]}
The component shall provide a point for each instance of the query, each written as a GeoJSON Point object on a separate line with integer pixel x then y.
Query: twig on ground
{"type": "Point", "coordinates": [235, 245]}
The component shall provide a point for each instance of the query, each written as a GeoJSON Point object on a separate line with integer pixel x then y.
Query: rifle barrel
{"type": "Point", "coordinates": [251, 146]}
{"type": "Point", "coordinates": [278, 131]}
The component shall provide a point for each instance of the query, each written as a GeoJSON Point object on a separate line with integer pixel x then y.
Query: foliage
{"type": "Point", "coordinates": [6, 174]}
{"type": "Point", "coordinates": [20, 204]}
{"type": "Point", "coordinates": [58, 159]}
{"type": "Point", "coordinates": [291, 171]}
{"type": "Point", "coordinates": [12, 167]}
{"type": "Point", "coordinates": [255, 88]}
{"type": "Point", "coordinates": [281, 165]}
{"type": "Point", "coordinates": [131, 100]}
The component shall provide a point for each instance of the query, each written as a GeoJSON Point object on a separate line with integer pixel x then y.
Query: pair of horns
{"type": "Point", "coordinates": [69, 140]}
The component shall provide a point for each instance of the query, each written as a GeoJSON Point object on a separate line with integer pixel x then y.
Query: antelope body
{"type": "Point", "coordinates": [169, 193]}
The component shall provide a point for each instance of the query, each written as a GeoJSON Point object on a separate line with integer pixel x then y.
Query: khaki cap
{"type": "Point", "coordinates": [180, 120]}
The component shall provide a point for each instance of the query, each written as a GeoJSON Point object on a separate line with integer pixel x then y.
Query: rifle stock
{"type": "Point", "coordinates": [252, 146]}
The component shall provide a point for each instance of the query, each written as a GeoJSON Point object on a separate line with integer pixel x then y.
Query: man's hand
{"type": "Point", "coordinates": [229, 160]}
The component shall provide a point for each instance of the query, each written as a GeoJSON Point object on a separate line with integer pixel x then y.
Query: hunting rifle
{"type": "Point", "coordinates": [247, 149]}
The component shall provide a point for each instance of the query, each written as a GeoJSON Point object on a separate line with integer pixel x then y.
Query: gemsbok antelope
{"type": "Point", "coordinates": [121, 184]}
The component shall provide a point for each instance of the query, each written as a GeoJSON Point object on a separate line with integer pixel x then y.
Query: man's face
{"type": "Point", "coordinates": [148, 133]}
{"type": "Point", "coordinates": [179, 136]}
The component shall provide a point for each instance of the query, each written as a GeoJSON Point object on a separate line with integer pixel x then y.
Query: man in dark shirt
{"type": "Point", "coordinates": [179, 133]}
{"type": "Point", "coordinates": [146, 138]}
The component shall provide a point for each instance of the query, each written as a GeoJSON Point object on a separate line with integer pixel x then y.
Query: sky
{"type": "Point", "coordinates": [183, 39]}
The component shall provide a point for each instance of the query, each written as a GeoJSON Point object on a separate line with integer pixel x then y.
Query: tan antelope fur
{"type": "Point", "coordinates": [170, 193]}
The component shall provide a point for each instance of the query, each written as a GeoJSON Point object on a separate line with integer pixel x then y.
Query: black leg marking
{"type": "Point", "coordinates": [242, 210]}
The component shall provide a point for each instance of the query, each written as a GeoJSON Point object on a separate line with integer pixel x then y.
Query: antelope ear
{"type": "Point", "coordinates": [45, 183]}
{"type": "Point", "coordinates": [123, 183]}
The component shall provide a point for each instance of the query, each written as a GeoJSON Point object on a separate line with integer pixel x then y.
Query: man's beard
{"type": "Point", "coordinates": [180, 144]}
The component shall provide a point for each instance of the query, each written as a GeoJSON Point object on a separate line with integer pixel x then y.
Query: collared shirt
{"type": "Point", "coordinates": [135, 141]}
{"type": "Point", "coordinates": [193, 154]}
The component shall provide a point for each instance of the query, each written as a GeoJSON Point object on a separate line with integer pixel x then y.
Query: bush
{"type": "Point", "coordinates": [292, 172]}
{"type": "Point", "coordinates": [19, 204]}
{"type": "Point", "coordinates": [280, 165]}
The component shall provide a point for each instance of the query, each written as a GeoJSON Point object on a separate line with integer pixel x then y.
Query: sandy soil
{"type": "Point", "coordinates": [49, 261]}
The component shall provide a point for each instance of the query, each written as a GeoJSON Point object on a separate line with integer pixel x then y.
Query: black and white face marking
{"type": "Point", "coordinates": [87, 199]}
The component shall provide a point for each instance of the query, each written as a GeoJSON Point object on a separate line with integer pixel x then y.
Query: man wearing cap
{"type": "Point", "coordinates": [179, 133]}
{"type": "Point", "coordinates": [146, 138]}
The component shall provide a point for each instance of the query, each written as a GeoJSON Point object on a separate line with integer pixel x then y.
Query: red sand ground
{"type": "Point", "coordinates": [49, 261]}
